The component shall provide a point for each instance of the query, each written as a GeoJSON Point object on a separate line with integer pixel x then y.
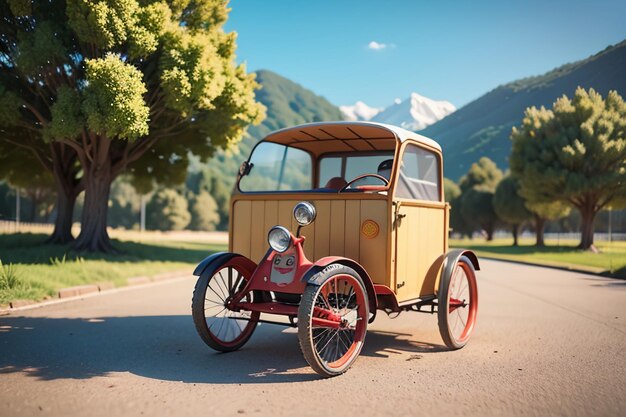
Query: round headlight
{"type": "Point", "coordinates": [304, 212]}
{"type": "Point", "coordinates": [279, 238]}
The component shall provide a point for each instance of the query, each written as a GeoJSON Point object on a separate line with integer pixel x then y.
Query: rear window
{"type": "Point", "coordinates": [278, 168]}
{"type": "Point", "coordinates": [350, 167]}
{"type": "Point", "coordinates": [419, 175]}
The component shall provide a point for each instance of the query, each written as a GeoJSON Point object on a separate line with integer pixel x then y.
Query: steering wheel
{"type": "Point", "coordinates": [360, 177]}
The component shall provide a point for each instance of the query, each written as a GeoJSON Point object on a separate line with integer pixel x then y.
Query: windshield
{"type": "Point", "coordinates": [277, 167]}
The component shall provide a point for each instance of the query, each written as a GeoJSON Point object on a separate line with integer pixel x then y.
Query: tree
{"type": "Point", "coordinates": [124, 204]}
{"type": "Point", "coordinates": [204, 212]}
{"type": "Point", "coordinates": [574, 153]}
{"type": "Point", "coordinates": [117, 80]}
{"type": "Point", "coordinates": [477, 209]}
{"type": "Point", "coordinates": [167, 210]}
{"type": "Point", "coordinates": [450, 189]}
{"type": "Point", "coordinates": [510, 206]}
{"type": "Point", "coordinates": [41, 166]}
{"type": "Point", "coordinates": [476, 201]}
{"type": "Point", "coordinates": [543, 212]}
{"type": "Point", "coordinates": [483, 173]}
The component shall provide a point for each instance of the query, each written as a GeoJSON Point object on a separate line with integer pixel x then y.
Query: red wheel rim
{"type": "Point", "coordinates": [462, 303]}
{"type": "Point", "coordinates": [342, 296]}
{"type": "Point", "coordinates": [227, 327]}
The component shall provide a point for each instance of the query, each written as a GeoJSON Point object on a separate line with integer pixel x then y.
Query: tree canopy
{"type": "Point", "coordinates": [120, 83]}
{"type": "Point", "coordinates": [510, 206]}
{"type": "Point", "coordinates": [574, 153]}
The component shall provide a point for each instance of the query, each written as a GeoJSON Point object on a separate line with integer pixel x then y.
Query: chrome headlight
{"type": "Point", "coordinates": [279, 238]}
{"type": "Point", "coordinates": [304, 212]}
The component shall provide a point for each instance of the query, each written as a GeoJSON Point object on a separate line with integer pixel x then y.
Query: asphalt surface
{"type": "Point", "coordinates": [548, 342]}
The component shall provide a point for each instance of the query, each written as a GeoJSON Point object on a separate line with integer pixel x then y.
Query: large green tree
{"type": "Point", "coordinates": [574, 153]}
{"type": "Point", "coordinates": [117, 80]}
{"type": "Point", "coordinates": [510, 206]}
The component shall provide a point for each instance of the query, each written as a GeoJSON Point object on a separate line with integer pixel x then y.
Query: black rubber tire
{"type": "Point", "coordinates": [443, 303]}
{"type": "Point", "coordinates": [199, 319]}
{"type": "Point", "coordinates": [304, 322]}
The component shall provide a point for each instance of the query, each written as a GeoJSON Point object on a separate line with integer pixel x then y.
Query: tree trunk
{"type": "Point", "coordinates": [588, 216]}
{"type": "Point", "coordinates": [62, 233]}
{"type": "Point", "coordinates": [540, 225]}
{"type": "Point", "coordinates": [515, 230]}
{"type": "Point", "coordinates": [489, 229]}
{"type": "Point", "coordinates": [93, 235]}
{"type": "Point", "coordinates": [68, 186]}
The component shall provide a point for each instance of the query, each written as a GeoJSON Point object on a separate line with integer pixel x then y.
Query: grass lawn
{"type": "Point", "coordinates": [610, 260]}
{"type": "Point", "coordinates": [38, 270]}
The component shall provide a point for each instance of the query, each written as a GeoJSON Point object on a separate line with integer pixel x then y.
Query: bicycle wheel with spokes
{"type": "Point", "coordinates": [218, 326]}
{"type": "Point", "coordinates": [458, 304]}
{"type": "Point", "coordinates": [332, 321]}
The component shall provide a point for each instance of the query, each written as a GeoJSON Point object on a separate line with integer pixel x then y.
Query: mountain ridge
{"type": "Point", "coordinates": [482, 127]}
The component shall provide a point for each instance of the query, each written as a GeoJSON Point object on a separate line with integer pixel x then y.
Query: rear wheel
{"type": "Point", "coordinates": [219, 327]}
{"type": "Point", "coordinates": [458, 304]}
{"type": "Point", "coordinates": [332, 321]}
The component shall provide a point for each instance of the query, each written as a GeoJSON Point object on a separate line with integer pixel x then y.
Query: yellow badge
{"type": "Point", "coordinates": [370, 229]}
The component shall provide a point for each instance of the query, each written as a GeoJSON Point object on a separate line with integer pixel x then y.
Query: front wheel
{"type": "Point", "coordinates": [332, 321]}
{"type": "Point", "coordinates": [457, 304]}
{"type": "Point", "coordinates": [219, 327]}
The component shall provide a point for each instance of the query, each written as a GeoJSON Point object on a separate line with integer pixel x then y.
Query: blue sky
{"type": "Point", "coordinates": [452, 50]}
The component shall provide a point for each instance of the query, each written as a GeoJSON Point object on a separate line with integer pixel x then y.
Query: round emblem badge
{"type": "Point", "coordinates": [370, 229]}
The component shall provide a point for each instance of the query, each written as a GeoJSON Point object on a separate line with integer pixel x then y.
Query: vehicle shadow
{"type": "Point", "coordinates": [162, 347]}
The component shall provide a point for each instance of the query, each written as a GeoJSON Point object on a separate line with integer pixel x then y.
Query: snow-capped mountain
{"type": "Point", "coordinates": [359, 111]}
{"type": "Point", "coordinates": [415, 113]}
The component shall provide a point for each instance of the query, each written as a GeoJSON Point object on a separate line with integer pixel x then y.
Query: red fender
{"type": "Point", "coordinates": [313, 276]}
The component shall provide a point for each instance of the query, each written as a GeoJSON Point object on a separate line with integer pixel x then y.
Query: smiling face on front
{"type": "Point", "coordinates": [283, 267]}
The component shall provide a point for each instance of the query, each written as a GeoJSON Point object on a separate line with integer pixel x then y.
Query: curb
{"type": "Point", "coordinates": [603, 274]}
{"type": "Point", "coordinates": [85, 291]}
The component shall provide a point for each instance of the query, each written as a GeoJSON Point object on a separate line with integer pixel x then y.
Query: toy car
{"type": "Point", "coordinates": [330, 223]}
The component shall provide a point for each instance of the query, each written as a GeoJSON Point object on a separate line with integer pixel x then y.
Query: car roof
{"type": "Point", "coordinates": [324, 137]}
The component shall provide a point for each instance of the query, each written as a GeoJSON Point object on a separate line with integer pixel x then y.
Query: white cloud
{"type": "Point", "coordinates": [377, 46]}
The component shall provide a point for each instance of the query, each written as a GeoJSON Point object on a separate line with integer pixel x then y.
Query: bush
{"type": "Point", "coordinates": [204, 212]}
{"type": "Point", "coordinates": [167, 210]}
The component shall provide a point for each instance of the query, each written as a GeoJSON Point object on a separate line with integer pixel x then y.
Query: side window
{"type": "Point", "coordinates": [419, 175]}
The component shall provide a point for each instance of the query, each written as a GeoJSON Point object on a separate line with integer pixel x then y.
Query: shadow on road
{"type": "Point", "coordinates": [162, 347]}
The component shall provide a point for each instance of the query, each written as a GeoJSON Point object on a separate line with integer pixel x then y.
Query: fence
{"type": "Point", "coordinates": [597, 236]}
{"type": "Point", "coordinates": [11, 226]}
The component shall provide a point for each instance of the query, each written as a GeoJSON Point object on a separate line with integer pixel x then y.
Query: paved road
{"type": "Point", "coordinates": [548, 342]}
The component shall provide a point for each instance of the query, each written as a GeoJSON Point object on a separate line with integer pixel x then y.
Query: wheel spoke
{"type": "Point", "coordinates": [215, 292]}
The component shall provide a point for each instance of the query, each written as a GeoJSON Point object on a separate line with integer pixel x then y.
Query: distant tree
{"type": "Point", "coordinates": [574, 153]}
{"type": "Point", "coordinates": [117, 81]}
{"type": "Point", "coordinates": [484, 173]}
{"type": "Point", "coordinates": [450, 189]}
{"type": "Point", "coordinates": [543, 212]}
{"type": "Point", "coordinates": [458, 224]}
{"type": "Point", "coordinates": [167, 210]}
{"type": "Point", "coordinates": [477, 209]}
{"type": "Point", "coordinates": [510, 206]}
{"type": "Point", "coordinates": [477, 190]}
{"type": "Point", "coordinates": [20, 168]}
{"type": "Point", "coordinates": [124, 204]}
{"type": "Point", "coordinates": [204, 212]}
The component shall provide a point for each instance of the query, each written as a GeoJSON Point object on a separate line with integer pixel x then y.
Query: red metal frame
{"type": "Point", "coordinates": [261, 280]}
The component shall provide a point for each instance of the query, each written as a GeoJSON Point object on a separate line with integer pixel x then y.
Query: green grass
{"type": "Point", "coordinates": [611, 260]}
{"type": "Point", "coordinates": [33, 270]}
